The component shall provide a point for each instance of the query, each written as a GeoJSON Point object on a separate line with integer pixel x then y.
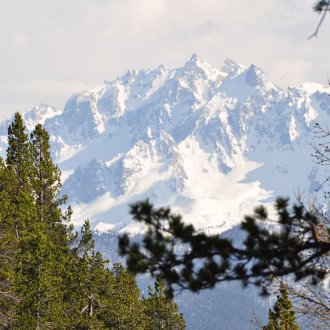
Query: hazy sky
{"type": "Point", "coordinates": [51, 49]}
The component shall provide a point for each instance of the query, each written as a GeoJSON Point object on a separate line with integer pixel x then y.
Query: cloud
{"type": "Point", "coordinates": [299, 69]}
{"type": "Point", "coordinates": [34, 92]}
{"type": "Point", "coordinates": [20, 40]}
{"type": "Point", "coordinates": [89, 41]}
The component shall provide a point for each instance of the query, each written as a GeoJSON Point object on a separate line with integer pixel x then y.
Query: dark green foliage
{"type": "Point", "coordinates": [103, 298]}
{"type": "Point", "coordinates": [124, 307]}
{"type": "Point", "coordinates": [46, 178]}
{"type": "Point", "coordinates": [51, 277]}
{"type": "Point", "coordinates": [32, 223]}
{"type": "Point", "coordinates": [19, 153]}
{"type": "Point", "coordinates": [207, 260]}
{"type": "Point", "coordinates": [89, 285]}
{"type": "Point", "coordinates": [162, 312]}
{"type": "Point", "coordinates": [8, 296]}
{"type": "Point", "coordinates": [282, 317]}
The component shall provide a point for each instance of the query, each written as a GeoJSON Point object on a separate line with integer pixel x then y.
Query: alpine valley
{"type": "Point", "coordinates": [210, 143]}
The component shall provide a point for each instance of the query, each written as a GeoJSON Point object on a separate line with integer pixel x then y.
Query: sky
{"type": "Point", "coordinates": [52, 49]}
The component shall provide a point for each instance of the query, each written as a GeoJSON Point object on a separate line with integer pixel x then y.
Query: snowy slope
{"type": "Point", "coordinates": [211, 143]}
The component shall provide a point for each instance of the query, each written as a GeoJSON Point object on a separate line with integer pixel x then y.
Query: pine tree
{"type": "Point", "coordinates": [19, 152]}
{"type": "Point", "coordinates": [8, 297]}
{"type": "Point", "coordinates": [282, 317]}
{"type": "Point", "coordinates": [18, 183]}
{"type": "Point", "coordinates": [34, 225]}
{"type": "Point", "coordinates": [46, 181]}
{"type": "Point", "coordinates": [50, 250]}
{"type": "Point", "coordinates": [17, 218]}
{"type": "Point", "coordinates": [124, 308]}
{"type": "Point", "coordinates": [88, 285]}
{"type": "Point", "coordinates": [161, 310]}
{"type": "Point", "coordinates": [264, 254]}
{"type": "Point", "coordinates": [103, 298]}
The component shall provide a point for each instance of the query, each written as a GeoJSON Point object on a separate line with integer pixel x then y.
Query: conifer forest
{"type": "Point", "coordinates": [51, 277]}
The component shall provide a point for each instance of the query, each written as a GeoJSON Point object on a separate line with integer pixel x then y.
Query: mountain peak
{"type": "Point", "coordinates": [130, 75]}
{"type": "Point", "coordinates": [162, 67]}
{"type": "Point", "coordinates": [230, 66]}
{"type": "Point", "coordinates": [194, 58]}
{"type": "Point", "coordinates": [39, 114]}
{"type": "Point", "coordinates": [195, 61]}
{"type": "Point", "coordinates": [253, 76]}
{"type": "Point", "coordinates": [196, 65]}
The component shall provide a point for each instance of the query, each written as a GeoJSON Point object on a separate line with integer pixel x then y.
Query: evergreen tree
{"type": "Point", "coordinates": [89, 284]}
{"type": "Point", "coordinates": [18, 218]}
{"type": "Point", "coordinates": [33, 223]}
{"type": "Point", "coordinates": [47, 242]}
{"type": "Point", "coordinates": [46, 178]}
{"type": "Point", "coordinates": [8, 297]}
{"type": "Point", "coordinates": [53, 225]}
{"type": "Point", "coordinates": [19, 153]}
{"type": "Point", "coordinates": [124, 308]}
{"type": "Point", "coordinates": [17, 187]}
{"type": "Point", "coordinates": [103, 298]}
{"type": "Point", "coordinates": [282, 317]}
{"type": "Point", "coordinates": [162, 311]}
{"type": "Point", "coordinates": [297, 248]}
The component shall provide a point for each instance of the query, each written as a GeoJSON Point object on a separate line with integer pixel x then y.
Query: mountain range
{"type": "Point", "coordinates": [211, 143]}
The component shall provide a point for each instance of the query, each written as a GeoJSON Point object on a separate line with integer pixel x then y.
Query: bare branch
{"type": "Point", "coordinates": [325, 9]}
{"type": "Point", "coordinates": [311, 303]}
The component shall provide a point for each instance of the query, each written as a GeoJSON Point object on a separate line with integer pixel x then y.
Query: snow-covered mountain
{"type": "Point", "coordinates": [211, 143]}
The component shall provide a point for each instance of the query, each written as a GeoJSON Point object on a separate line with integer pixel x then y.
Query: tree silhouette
{"type": "Point", "coordinates": [298, 247]}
